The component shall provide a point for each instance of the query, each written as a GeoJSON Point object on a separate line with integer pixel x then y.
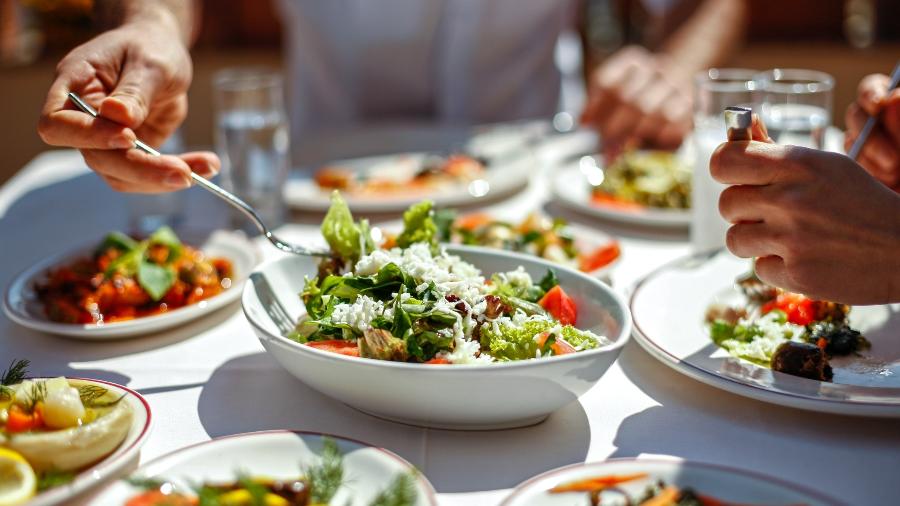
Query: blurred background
{"type": "Point", "coordinates": [845, 38]}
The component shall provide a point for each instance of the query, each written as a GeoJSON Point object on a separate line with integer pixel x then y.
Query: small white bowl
{"type": "Point", "coordinates": [21, 303]}
{"type": "Point", "coordinates": [466, 397]}
{"type": "Point", "coordinates": [278, 454]}
{"type": "Point", "coordinates": [114, 464]}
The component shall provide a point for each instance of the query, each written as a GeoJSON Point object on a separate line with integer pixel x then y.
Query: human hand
{"type": "Point", "coordinates": [817, 222]}
{"type": "Point", "coordinates": [137, 77]}
{"type": "Point", "coordinates": [881, 153]}
{"type": "Point", "coordinates": [639, 99]}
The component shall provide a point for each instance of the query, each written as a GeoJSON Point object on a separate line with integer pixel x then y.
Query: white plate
{"type": "Point", "coordinates": [471, 397]}
{"type": "Point", "coordinates": [669, 305]}
{"type": "Point", "coordinates": [22, 306]}
{"type": "Point", "coordinates": [113, 465]}
{"type": "Point", "coordinates": [278, 454]}
{"type": "Point", "coordinates": [729, 484]}
{"type": "Point", "coordinates": [570, 188]}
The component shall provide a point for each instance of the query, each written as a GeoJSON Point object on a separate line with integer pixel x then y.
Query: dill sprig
{"type": "Point", "coordinates": [91, 395]}
{"type": "Point", "coordinates": [145, 483]}
{"type": "Point", "coordinates": [326, 478]}
{"type": "Point", "coordinates": [37, 395]}
{"type": "Point", "coordinates": [52, 479]}
{"type": "Point", "coordinates": [401, 492]}
{"type": "Point", "coordinates": [13, 375]}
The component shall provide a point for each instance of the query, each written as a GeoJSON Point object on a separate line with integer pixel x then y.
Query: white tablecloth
{"type": "Point", "coordinates": [212, 377]}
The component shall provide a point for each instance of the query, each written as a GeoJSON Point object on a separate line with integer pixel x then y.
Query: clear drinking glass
{"type": "Point", "coordinates": [714, 90]}
{"type": "Point", "coordinates": [146, 213]}
{"type": "Point", "coordinates": [795, 105]}
{"type": "Point", "coordinates": [252, 139]}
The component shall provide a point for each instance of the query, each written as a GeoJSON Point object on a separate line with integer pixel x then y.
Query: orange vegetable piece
{"type": "Point", "coordinates": [437, 361]}
{"type": "Point", "coordinates": [602, 199]}
{"type": "Point", "coordinates": [560, 306]}
{"type": "Point", "coordinates": [666, 497]}
{"type": "Point", "coordinates": [602, 256]}
{"type": "Point", "coordinates": [596, 484]}
{"type": "Point", "coordinates": [340, 346]}
{"type": "Point", "coordinates": [20, 421]}
{"type": "Point", "coordinates": [559, 347]}
{"type": "Point", "coordinates": [473, 221]}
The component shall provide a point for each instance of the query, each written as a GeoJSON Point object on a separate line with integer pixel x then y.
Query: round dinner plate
{"type": "Point", "coordinates": [22, 305]}
{"type": "Point", "coordinates": [115, 463]}
{"type": "Point", "coordinates": [278, 454]}
{"type": "Point", "coordinates": [571, 189]}
{"type": "Point", "coordinates": [668, 308]}
{"type": "Point", "coordinates": [724, 483]}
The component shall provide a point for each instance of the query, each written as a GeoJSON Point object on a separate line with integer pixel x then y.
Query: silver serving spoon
{"type": "Point", "coordinates": [223, 194]}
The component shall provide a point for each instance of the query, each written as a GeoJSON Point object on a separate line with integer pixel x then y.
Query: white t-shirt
{"type": "Point", "coordinates": [351, 62]}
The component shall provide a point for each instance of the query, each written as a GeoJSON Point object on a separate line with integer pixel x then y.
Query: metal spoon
{"type": "Point", "coordinates": [223, 194]}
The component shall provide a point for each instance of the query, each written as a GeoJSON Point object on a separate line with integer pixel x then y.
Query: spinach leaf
{"type": "Point", "coordinates": [165, 236]}
{"type": "Point", "coordinates": [117, 240]}
{"type": "Point", "coordinates": [155, 279]}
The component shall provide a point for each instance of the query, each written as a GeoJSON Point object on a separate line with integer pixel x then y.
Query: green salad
{"type": "Point", "coordinates": [417, 303]}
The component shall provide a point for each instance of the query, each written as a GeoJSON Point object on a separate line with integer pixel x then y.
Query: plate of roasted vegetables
{"type": "Point", "coordinates": [274, 468]}
{"type": "Point", "coordinates": [121, 286]}
{"type": "Point", "coordinates": [552, 239]}
{"type": "Point", "coordinates": [710, 317]}
{"type": "Point", "coordinates": [659, 482]}
{"type": "Point", "coordinates": [651, 188]}
{"type": "Point", "coordinates": [391, 183]}
{"type": "Point", "coordinates": [61, 436]}
{"type": "Point", "coordinates": [486, 328]}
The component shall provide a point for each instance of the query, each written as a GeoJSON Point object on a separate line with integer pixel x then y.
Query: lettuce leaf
{"type": "Point", "coordinates": [510, 342]}
{"type": "Point", "coordinates": [419, 226]}
{"type": "Point", "coordinates": [343, 235]}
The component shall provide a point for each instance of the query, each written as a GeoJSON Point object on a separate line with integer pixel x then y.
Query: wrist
{"type": "Point", "coordinates": [170, 17]}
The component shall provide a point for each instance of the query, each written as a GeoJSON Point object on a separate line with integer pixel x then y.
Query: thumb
{"type": "Point", "coordinates": [758, 130]}
{"type": "Point", "coordinates": [129, 103]}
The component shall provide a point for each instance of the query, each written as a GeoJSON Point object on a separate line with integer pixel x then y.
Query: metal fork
{"type": "Point", "coordinates": [223, 194]}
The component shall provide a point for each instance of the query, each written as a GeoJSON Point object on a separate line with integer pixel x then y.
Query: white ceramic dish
{"type": "Point", "coordinates": [113, 465]}
{"type": "Point", "coordinates": [570, 188]}
{"type": "Point", "coordinates": [724, 483]}
{"type": "Point", "coordinates": [669, 305]}
{"type": "Point", "coordinates": [22, 306]}
{"type": "Point", "coordinates": [279, 454]}
{"type": "Point", "coordinates": [501, 177]}
{"type": "Point", "coordinates": [488, 396]}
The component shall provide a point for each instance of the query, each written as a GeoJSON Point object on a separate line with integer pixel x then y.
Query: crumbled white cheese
{"type": "Point", "coordinates": [360, 314]}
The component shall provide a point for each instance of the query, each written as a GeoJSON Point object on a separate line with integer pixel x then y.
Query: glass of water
{"type": "Point", "coordinates": [714, 90]}
{"type": "Point", "coordinates": [252, 139]}
{"type": "Point", "coordinates": [795, 105]}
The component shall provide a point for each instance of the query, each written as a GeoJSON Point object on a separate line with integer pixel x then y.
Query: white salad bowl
{"type": "Point", "coordinates": [467, 397]}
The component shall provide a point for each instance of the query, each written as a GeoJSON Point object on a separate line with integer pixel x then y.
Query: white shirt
{"type": "Point", "coordinates": [350, 62]}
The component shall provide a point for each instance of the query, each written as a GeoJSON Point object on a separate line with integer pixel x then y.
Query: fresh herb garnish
{"type": "Point", "coordinates": [37, 395]}
{"type": "Point", "coordinates": [91, 395]}
{"type": "Point", "coordinates": [401, 492]}
{"type": "Point", "coordinates": [52, 479]}
{"type": "Point", "coordinates": [326, 478]}
{"type": "Point", "coordinates": [155, 275]}
{"type": "Point", "coordinates": [13, 375]}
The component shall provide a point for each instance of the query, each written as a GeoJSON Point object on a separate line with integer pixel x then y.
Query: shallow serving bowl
{"type": "Point", "coordinates": [489, 396]}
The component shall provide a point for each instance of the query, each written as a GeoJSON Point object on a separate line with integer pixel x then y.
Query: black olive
{"type": "Point", "coordinates": [802, 359]}
{"type": "Point", "coordinates": [839, 338]}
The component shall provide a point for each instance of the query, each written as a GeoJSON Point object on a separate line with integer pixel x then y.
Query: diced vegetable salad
{"type": "Point", "coordinates": [417, 303]}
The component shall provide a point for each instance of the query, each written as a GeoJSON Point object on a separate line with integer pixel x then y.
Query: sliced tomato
{"type": "Point", "coordinates": [18, 420]}
{"type": "Point", "coordinates": [437, 361]}
{"type": "Point", "coordinates": [800, 310]}
{"type": "Point", "coordinates": [602, 199]}
{"type": "Point", "coordinates": [600, 257]}
{"type": "Point", "coordinates": [157, 498]}
{"type": "Point", "coordinates": [559, 346]}
{"type": "Point", "coordinates": [596, 484]}
{"type": "Point", "coordinates": [560, 306]}
{"type": "Point", "coordinates": [340, 346]}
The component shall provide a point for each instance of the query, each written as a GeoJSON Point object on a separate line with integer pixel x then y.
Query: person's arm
{"type": "Point", "coordinates": [817, 223]}
{"type": "Point", "coordinates": [637, 98]}
{"type": "Point", "coordinates": [136, 75]}
{"type": "Point", "coordinates": [881, 153]}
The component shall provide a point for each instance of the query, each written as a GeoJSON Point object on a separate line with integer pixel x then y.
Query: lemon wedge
{"type": "Point", "coordinates": [17, 480]}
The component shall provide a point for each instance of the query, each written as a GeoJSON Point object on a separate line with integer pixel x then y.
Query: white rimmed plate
{"type": "Point", "coordinates": [729, 484]}
{"type": "Point", "coordinates": [669, 305]}
{"type": "Point", "coordinates": [463, 397]}
{"type": "Point", "coordinates": [22, 305]}
{"type": "Point", "coordinates": [115, 463]}
{"type": "Point", "coordinates": [501, 177]}
{"type": "Point", "coordinates": [278, 454]}
{"type": "Point", "coordinates": [571, 189]}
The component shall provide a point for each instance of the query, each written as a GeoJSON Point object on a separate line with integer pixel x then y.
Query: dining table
{"type": "Point", "coordinates": [212, 377]}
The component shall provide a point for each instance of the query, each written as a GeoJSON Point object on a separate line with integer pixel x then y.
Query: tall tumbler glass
{"type": "Point", "coordinates": [795, 105]}
{"type": "Point", "coordinates": [714, 90]}
{"type": "Point", "coordinates": [252, 139]}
